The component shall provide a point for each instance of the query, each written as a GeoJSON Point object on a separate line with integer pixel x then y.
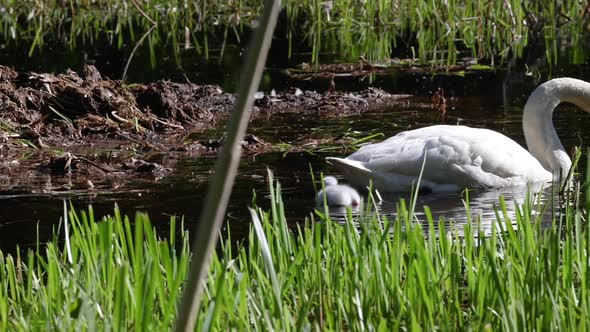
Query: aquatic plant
{"type": "Point", "coordinates": [371, 272]}
{"type": "Point", "coordinates": [436, 32]}
{"type": "Point", "coordinates": [112, 274]}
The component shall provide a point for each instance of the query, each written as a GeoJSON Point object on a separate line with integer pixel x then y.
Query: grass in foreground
{"type": "Point", "coordinates": [118, 275]}
{"type": "Point", "coordinates": [382, 275]}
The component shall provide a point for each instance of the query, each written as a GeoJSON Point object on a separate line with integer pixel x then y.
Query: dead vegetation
{"type": "Point", "coordinates": [62, 118]}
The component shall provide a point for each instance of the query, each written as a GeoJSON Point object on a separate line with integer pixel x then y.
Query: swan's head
{"type": "Point", "coordinates": [330, 181]}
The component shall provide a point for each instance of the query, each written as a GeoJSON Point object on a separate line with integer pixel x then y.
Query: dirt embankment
{"type": "Point", "coordinates": [77, 112]}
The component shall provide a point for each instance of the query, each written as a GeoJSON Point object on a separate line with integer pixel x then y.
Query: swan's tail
{"type": "Point", "coordinates": [353, 170]}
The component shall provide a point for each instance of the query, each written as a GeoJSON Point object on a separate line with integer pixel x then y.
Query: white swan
{"type": "Point", "coordinates": [337, 194]}
{"type": "Point", "coordinates": [460, 157]}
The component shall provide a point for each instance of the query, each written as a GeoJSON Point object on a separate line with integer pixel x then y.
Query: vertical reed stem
{"type": "Point", "coordinates": [225, 169]}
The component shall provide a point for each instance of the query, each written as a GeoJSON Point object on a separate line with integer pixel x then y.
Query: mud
{"type": "Point", "coordinates": [94, 130]}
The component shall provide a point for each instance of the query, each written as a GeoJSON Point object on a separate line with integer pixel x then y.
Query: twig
{"type": "Point", "coordinates": [102, 168]}
{"type": "Point", "coordinates": [143, 13]}
{"type": "Point", "coordinates": [116, 116]}
{"type": "Point", "coordinates": [167, 123]}
{"type": "Point", "coordinates": [135, 49]}
{"type": "Point", "coordinates": [154, 25]}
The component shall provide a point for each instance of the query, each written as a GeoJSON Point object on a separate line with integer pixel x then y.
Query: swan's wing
{"type": "Point", "coordinates": [454, 154]}
{"type": "Point", "coordinates": [404, 156]}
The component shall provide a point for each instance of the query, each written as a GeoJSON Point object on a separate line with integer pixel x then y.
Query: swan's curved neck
{"type": "Point", "coordinates": [539, 132]}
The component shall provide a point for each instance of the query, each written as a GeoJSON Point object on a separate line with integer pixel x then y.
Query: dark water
{"type": "Point", "coordinates": [488, 100]}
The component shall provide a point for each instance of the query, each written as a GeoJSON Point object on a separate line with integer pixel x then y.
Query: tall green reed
{"type": "Point", "coordinates": [122, 275]}
{"type": "Point", "coordinates": [441, 32]}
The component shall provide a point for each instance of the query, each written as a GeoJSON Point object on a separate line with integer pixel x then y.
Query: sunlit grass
{"type": "Point", "coordinates": [439, 32]}
{"type": "Point", "coordinates": [373, 273]}
{"type": "Point", "coordinates": [119, 276]}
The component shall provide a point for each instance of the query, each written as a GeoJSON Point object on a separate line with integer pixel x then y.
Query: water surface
{"type": "Point", "coordinates": [491, 100]}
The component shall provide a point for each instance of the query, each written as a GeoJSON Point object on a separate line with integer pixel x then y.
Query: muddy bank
{"type": "Point", "coordinates": [57, 110]}
{"type": "Point", "coordinates": [89, 128]}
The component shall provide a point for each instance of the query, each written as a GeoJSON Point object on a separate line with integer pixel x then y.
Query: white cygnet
{"type": "Point", "coordinates": [337, 194]}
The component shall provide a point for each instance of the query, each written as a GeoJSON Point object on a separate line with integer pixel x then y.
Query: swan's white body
{"type": "Point", "coordinates": [337, 194]}
{"type": "Point", "coordinates": [458, 157]}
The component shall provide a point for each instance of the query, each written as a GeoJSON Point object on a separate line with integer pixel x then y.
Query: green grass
{"type": "Point", "coordinates": [437, 32]}
{"type": "Point", "coordinates": [374, 273]}
{"type": "Point", "coordinates": [116, 275]}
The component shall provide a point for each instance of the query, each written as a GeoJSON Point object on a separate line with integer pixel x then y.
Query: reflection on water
{"type": "Point", "coordinates": [485, 206]}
